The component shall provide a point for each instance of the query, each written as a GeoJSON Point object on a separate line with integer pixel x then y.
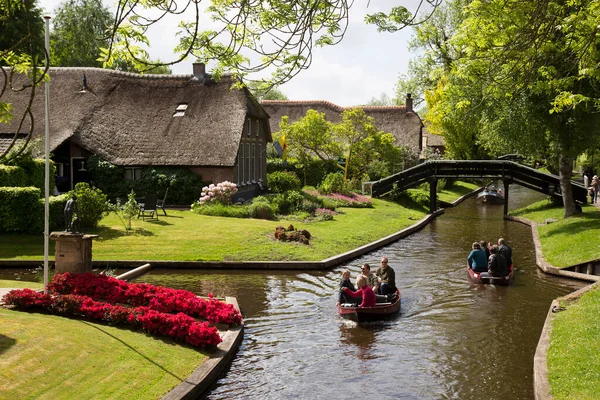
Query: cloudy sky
{"type": "Point", "coordinates": [364, 65]}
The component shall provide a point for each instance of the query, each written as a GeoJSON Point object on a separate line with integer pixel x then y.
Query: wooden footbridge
{"type": "Point", "coordinates": [508, 171]}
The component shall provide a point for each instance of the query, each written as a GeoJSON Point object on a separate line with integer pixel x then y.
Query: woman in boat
{"type": "Point", "coordinates": [364, 291]}
{"type": "Point", "coordinates": [345, 283]}
{"type": "Point", "coordinates": [477, 260]}
{"type": "Point", "coordinates": [365, 271]}
{"type": "Point", "coordinates": [497, 264]}
{"type": "Point", "coordinates": [483, 245]}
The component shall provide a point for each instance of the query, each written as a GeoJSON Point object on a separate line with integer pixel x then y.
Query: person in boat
{"type": "Point", "coordinates": [477, 260]}
{"type": "Point", "coordinates": [505, 251]}
{"type": "Point", "coordinates": [386, 278]}
{"type": "Point", "coordinates": [364, 291]}
{"type": "Point", "coordinates": [365, 270]}
{"type": "Point", "coordinates": [483, 245]}
{"type": "Point", "coordinates": [497, 264]}
{"type": "Point", "coordinates": [345, 283]}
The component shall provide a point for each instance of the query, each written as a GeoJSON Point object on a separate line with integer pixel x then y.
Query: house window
{"type": "Point", "coordinates": [257, 128]}
{"type": "Point", "coordinates": [249, 159]}
{"type": "Point", "coordinates": [249, 127]}
{"type": "Point", "coordinates": [60, 169]}
{"type": "Point", "coordinates": [133, 174]}
{"type": "Point", "coordinates": [180, 110]}
{"type": "Point", "coordinates": [253, 162]}
{"type": "Point", "coordinates": [240, 165]}
{"type": "Point", "coordinates": [260, 162]}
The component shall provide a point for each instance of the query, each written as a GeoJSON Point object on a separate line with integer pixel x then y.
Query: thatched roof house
{"type": "Point", "coordinates": [152, 120]}
{"type": "Point", "coordinates": [400, 121]}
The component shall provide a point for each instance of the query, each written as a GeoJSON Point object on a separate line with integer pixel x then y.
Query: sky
{"type": "Point", "coordinates": [363, 66]}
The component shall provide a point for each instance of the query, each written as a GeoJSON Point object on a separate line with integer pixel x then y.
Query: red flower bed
{"type": "Point", "coordinates": [158, 298]}
{"type": "Point", "coordinates": [178, 326]}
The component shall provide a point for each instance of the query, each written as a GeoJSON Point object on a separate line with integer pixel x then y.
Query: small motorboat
{"type": "Point", "coordinates": [365, 314]}
{"type": "Point", "coordinates": [491, 195]}
{"type": "Point", "coordinates": [485, 278]}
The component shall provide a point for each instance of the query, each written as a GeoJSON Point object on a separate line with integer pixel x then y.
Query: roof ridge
{"type": "Point", "coordinates": [328, 103]}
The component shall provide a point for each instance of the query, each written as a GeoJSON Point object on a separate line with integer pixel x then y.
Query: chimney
{"type": "Point", "coordinates": [409, 102]}
{"type": "Point", "coordinates": [199, 70]}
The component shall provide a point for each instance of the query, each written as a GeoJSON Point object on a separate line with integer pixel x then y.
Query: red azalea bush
{"type": "Point", "coordinates": [179, 326]}
{"type": "Point", "coordinates": [166, 300]}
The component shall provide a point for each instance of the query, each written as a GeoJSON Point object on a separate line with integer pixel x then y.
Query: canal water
{"type": "Point", "coordinates": [452, 339]}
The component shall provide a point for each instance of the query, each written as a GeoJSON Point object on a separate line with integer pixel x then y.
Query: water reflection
{"type": "Point", "coordinates": [452, 340]}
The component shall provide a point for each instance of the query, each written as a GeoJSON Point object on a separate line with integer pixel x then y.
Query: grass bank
{"type": "Point", "coordinates": [14, 284]}
{"type": "Point", "coordinates": [573, 362]}
{"type": "Point", "coordinates": [185, 236]}
{"type": "Point", "coordinates": [51, 357]}
{"type": "Point", "coordinates": [565, 242]}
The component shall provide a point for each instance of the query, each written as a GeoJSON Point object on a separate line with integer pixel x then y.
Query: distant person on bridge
{"type": "Point", "coordinates": [595, 185]}
{"type": "Point", "coordinates": [477, 260]}
{"type": "Point", "coordinates": [497, 264]}
{"type": "Point", "coordinates": [386, 277]}
{"type": "Point", "coordinates": [505, 251]}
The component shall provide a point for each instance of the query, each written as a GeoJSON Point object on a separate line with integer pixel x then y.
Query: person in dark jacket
{"type": "Point", "coordinates": [477, 260]}
{"type": "Point", "coordinates": [346, 283]}
{"type": "Point", "coordinates": [386, 278]}
{"type": "Point", "coordinates": [483, 245]}
{"type": "Point", "coordinates": [505, 251]}
{"type": "Point", "coordinates": [497, 264]}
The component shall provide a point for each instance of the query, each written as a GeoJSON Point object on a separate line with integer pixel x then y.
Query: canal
{"type": "Point", "coordinates": [452, 340]}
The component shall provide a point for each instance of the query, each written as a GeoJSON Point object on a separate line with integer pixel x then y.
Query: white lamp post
{"type": "Point", "coordinates": [47, 166]}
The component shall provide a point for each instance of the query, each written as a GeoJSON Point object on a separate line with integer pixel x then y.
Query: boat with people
{"type": "Point", "coordinates": [386, 307]}
{"type": "Point", "coordinates": [486, 279]}
{"type": "Point", "coordinates": [491, 195]}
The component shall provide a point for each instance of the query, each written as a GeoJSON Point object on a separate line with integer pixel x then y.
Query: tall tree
{"type": "Point", "coordinates": [264, 91]}
{"type": "Point", "coordinates": [80, 29]}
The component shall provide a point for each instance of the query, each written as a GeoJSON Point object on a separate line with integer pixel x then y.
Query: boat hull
{"type": "Point", "coordinates": [486, 279]}
{"type": "Point", "coordinates": [490, 198]}
{"type": "Point", "coordinates": [367, 314]}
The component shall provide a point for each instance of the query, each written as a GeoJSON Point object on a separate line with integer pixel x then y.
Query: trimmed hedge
{"type": "Point", "coordinates": [12, 176]}
{"type": "Point", "coordinates": [22, 210]}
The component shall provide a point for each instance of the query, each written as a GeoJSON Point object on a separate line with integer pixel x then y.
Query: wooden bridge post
{"type": "Point", "coordinates": [433, 195]}
{"type": "Point", "coordinates": [506, 186]}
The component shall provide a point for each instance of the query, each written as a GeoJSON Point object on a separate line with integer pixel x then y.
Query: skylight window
{"type": "Point", "coordinates": [180, 110]}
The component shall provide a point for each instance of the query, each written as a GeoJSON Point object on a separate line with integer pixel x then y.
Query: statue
{"type": "Point", "coordinates": [70, 222]}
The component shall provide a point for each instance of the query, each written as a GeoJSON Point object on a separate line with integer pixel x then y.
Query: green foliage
{"type": "Point", "coordinates": [310, 170]}
{"type": "Point", "coordinates": [91, 205]}
{"type": "Point", "coordinates": [288, 202]}
{"type": "Point", "coordinates": [261, 209]}
{"type": "Point", "coordinates": [20, 210]}
{"type": "Point", "coordinates": [12, 176]}
{"type": "Point", "coordinates": [184, 185]}
{"type": "Point", "coordinates": [126, 212]}
{"type": "Point", "coordinates": [57, 210]}
{"type": "Point", "coordinates": [333, 183]}
{"type": "Point", "coordinates": [283, 181]}
{"type": "Point", "coordinates": [79, 31]}
{"type": "Point", "coordinates": [221, 210]}
{"type": "Point", "coordinates": [262, 90]}
{"type": "Point", "coordinates": [21, 30]}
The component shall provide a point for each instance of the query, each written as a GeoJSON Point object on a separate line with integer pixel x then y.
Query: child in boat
{"type": "Point", "coordinates": [345, 283]}
{"type": "Point", "coordinates": [477, 260]}
{"type": "Point", "coordinates": [364, 291]}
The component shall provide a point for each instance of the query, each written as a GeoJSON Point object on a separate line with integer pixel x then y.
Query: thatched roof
{"type": "Point", "coordinates": [405, 126]}
{"type": "Point", "coordinates": [128, 119]}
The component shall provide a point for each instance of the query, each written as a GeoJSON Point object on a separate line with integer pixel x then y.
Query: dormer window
{"type": "Point", "coordinates": [180, 110]}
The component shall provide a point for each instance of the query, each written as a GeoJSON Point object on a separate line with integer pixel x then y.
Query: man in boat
{"type": "Point", "coordinates": [386, 278]}
{"type": "Point", "coordinates": [365, 271]}
{"type": "Point", "coordinates": [497, 265]}
{"type": "Point", "coordinates": [505, 251]}
{"type": "Point", "coordinates": [477, 260]}
{"type": "Point", "coordinates": [364, 291]}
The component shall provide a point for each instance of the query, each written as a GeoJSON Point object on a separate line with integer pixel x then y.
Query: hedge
{"type": "Point", "coordinates": [22, 210]}
{"type": "Point", "coordinates": [12, 176]}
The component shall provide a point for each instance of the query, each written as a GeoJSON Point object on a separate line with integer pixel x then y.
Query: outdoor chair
{"type": "Point", "coordinates": [161, 203]}
{"type": "Point", "coordinates": [148, 208]}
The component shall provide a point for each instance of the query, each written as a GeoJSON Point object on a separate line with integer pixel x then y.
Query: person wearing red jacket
{"type": "Point", "coordinates": [364, 290]}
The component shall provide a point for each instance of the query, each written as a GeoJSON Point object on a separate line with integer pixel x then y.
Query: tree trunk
{"type": "Point", "coordinates": [565, 169]}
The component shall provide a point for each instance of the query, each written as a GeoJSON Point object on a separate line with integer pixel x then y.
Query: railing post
{"type": "Point", "coordinates": [433, 195]}
{"type": "Point", "coordinates": [506, 186]}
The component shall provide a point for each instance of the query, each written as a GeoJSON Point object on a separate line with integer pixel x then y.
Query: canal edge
{"type": "Point", "coordinates": [209, 371]}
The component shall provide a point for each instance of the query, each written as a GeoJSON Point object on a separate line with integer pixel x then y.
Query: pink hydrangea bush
{"type": "Point", "coordinates": [219, 193]}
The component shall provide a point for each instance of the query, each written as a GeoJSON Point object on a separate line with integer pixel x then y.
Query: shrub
{"type": "Point", "coordinates": [289, 202]}
{"type": "Point", "coordinates": [57, 210]}
{"type": "Point", "coordinates": [283, 181]}
{"type": "Point", "coordinates": [324, 214]}
{"type": "Point", "coordinates": [91, 204]}
{"type": "Point", "coordinates": [12, 176]}
{"type": "Point", "coordinates": [126, 212]}
{"type": "Point", "coordinates": [20, 210]}
{"type": "Point", "coordinates": [219, 193]}
{"type": "Point", "coordinates": [220, 210]}
{"type": "Point", "coordinates": [261, 210]}
{"type": "Point", "coordinates": [333, 183]}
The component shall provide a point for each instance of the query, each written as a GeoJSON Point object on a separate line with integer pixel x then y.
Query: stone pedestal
{"type": "Point", "coordinates": [73, 252]}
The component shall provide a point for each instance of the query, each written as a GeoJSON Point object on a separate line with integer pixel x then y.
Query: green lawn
{"type": "Point", "coordinates": [568, 241]}
{"type": "Point", "coordinates": [14, 284]}
{"type": "Point", "coordinates": [183, 235]}
{"type": "Point", "coordinates": [458, 189]}
{"type": "Point", "coordinates": [573, 356]}
{"type": "Point", "coordinates": [51, 357]}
